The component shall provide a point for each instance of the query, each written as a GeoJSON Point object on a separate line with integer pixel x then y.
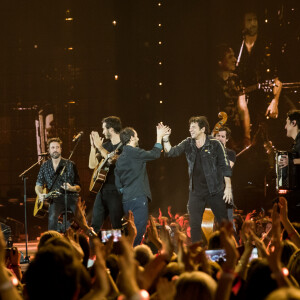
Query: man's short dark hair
{"type": "Point", "coordinates": [113, 122]}
{"type": "Point", "coordinates": [126, 134]}
{"type": "Point", "coordinates": [202, 122]}
{"type": "Point", "coordinates": [221, 50]}
{"type": "Point", "coordinates": [228, 131]}
{"type": "Point", "coordinates": [294, 115]}
{"type": "Point", "coordinates": [52, 140]}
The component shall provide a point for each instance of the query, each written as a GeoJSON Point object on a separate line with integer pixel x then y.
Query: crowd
{"type": "Point", "coordinates": [165, 266]}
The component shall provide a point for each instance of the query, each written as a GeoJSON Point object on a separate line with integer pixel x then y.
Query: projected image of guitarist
{"type": "Point", "coordinates": [51, 177]}
{"type": "Point", "coordinates": [103, 156]}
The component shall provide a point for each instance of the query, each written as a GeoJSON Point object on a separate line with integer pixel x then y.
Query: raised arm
{"type": "Point", "coordinates": [96, 143]}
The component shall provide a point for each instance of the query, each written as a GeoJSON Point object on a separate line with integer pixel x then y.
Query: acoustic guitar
{"type": "Point", "coordinates": [41, 206]}
{"type": "Point", "coordinates": [100, 172]}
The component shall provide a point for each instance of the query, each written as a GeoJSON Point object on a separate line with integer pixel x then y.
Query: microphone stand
{"type": "Point", "coordinates": [24, 178]}
{"type": "Point", "coordinates": [65, 183]}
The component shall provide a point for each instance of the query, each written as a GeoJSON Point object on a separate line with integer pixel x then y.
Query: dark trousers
{"type": "Point", "coordinates": [107, 202]}
{"type": "Point", "coordinates": [139, 208]}
{"type": "Point", "coordinates": [56, 208]}
{"type": "Point", "coordinates": [196, 207]}
{"type": "Point", "coordinates": [293, 201]}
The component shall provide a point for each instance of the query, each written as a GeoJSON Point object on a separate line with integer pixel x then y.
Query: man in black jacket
{"type": "Point", "coordinates": [208, 170]}
{"type": "Point", "coordinates": [131, 176]}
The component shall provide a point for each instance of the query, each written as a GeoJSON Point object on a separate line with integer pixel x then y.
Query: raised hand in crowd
{"type": "Point", "coordinates": [275, 251]}
{"type": "Point", "coordinates": [232, 255]}
{"type": "Point", "coordinates": [73, 238]}
{"type": "Point", "coordinates": [131, 228]}
{"type": "Point", "coordinates": [127, 281]}
{"type": "Point", "coordinates": [293, 234]}
{"type": "Point", "coordinates": [153, 234]}
{"type": "Point", "coordinates": [101, 284]}
{"type": "Point", "coordinates": [7, 289]}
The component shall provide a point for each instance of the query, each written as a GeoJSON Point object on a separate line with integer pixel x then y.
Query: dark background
{"type": "Point", "coordinates": [38, 71]}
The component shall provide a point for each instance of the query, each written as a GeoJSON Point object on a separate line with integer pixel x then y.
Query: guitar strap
{"type": "Point", "coordinates": [57, 172]}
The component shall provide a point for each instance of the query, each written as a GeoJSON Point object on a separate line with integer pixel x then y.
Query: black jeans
{"type": "Point", "coordinates": [57, 207]}
{"type": "Point", "coordinates": [196, 207]}
{"type": "Point", "coordinates": [107, 202]}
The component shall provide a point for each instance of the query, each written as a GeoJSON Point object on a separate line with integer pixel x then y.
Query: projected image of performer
{"type": "Point", "coordinates": [50, 176]}
{"type": "Point", "coordinates": [209, 172]}
{"type": "Point", "coordinates": [230, 97]}
{"type": "Point", "coordinates": [292, 127]}
{"type": "Point", "coordinates": [108, 201]}
{"type": "Point", "coordinates": [257, 64]}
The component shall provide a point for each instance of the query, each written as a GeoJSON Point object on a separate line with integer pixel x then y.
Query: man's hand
{"type": "Point", "coordinates": [228, 195]}
{"type": "Point", "coordinates": [162, 130]}
{"type": "Point", "coordinates": [272, 110]}
{"type": "Point", "coordinates": [42, 197]}
{"type": "Point", "coordinates": [98, 141]}
{"type": "Point", "coordinates": [67, 186]}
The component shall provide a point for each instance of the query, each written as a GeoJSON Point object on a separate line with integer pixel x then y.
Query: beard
{"type": "Point", "coordinates": [251, 31]}
{"type": "Point", "coordinates": [55, 155]}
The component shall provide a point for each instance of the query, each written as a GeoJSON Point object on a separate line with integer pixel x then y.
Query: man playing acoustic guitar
{"type": "Point", "coordinates": [108, 201]}
{"type": "Point", "coordinates": [51, 177]}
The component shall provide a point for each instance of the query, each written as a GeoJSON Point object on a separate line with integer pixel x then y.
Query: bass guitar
{"type": "Point", "coordinates": [100, 172]}
{"type": "Point", "coordinates": [41, 206]}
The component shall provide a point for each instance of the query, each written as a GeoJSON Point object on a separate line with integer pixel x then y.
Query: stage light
{"type": "Point", "coordinates": [266, 20]}
{"type": "Point", "coordinates": [160, 101]}
{"type": "Point", "coordinates": [160, 63]}
{"type": "Point", "coordinates": [114, 23]}
{"type": "Point", "coordinates": [35, 46]}
{"type": "Point", "coordinates": [159, 25]}
{"type": "Point", "coordinates": [69, 19]}
{"type": "Point", "coordinates": [159, 4]}
{"type": "Point", "coordinates": [116, 77]}
{"type": "Point", "coordinates": [160, 83]}
{"type": "Point", "coordinates": [70, 48]}
{"type": "Point", "coordinates": [159, 42]}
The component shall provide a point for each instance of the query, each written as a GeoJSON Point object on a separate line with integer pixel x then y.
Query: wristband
{"type": "Point", "coordinates": [166, 140]}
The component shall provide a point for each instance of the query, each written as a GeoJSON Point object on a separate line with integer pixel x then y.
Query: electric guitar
{"type": "Point", "coordinates": [100, 172]}
{"type": "Point", "coordinates": [41, 206]}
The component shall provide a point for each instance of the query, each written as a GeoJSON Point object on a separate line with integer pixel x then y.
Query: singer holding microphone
{"type": "Point", "coordinates": [51, 176]}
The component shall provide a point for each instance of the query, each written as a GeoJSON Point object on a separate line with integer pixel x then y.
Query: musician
{"type": "Point", "coordinates": [256, 63]}
{"type": "Point", "coordinates": [50, 175]}
{"type": "Point", "coordinates": [208, 168]}
{"type": "Point", "coordinates": [229, 96]}
{"type": "Point", "coordinates": [108, 200]}
{"type": "Point", "coordinates": [223, 136]}
{"type": "Point", "coordinates": [292, 127]}
{"type": "Point", "coordinates": [132, 178]}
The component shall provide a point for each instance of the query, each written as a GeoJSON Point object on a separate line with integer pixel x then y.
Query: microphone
{"type": "Point", "coordinates": [77, 137]}
{"type": "Point", "coordinates": [43, 154]}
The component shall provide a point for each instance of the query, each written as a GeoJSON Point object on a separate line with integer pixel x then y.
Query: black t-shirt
{"type": "Point", "coordinates": [231, 155]}
{"type": "Point", "coordinates": [110, 178]}
{"type": "Point", "coordinates": [199, 181]}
